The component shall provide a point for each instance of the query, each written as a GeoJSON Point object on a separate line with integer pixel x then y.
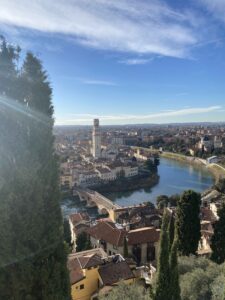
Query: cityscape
{"type": "Point", "coordinates": [112, 150]}
{"type": "Point", "coordinates": [99, 160]}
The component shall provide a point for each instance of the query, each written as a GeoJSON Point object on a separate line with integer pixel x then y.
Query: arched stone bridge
{"type": "Point", "coordinates": [94, 199]}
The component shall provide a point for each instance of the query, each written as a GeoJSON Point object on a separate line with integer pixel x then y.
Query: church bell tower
{"type": "Point", "coordinates": [96, 140]}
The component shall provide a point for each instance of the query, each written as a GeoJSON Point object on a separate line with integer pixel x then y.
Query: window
{"type": "Point", "coordinates": [81, 286]}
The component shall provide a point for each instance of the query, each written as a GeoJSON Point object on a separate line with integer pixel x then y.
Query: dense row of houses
{"type": "Point", "coordinates": [139, 228]}
{"type": "Point", "coordinates": [101, 172]}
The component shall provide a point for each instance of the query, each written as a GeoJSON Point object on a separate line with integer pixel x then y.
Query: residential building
{"type": "Point", "coordinates": [92, 271]}
{"type": "Point", "coordinates": [142, 242]}
{"type": "Point", "coordinates": [83, 269]}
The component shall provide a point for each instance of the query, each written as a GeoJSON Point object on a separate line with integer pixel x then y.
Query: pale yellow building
{"type": "Point", "coordinates": [84, 277]}
{"type": "Point", "coordinates": [92, 270]}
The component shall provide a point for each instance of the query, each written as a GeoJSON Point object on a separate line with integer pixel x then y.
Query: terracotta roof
{"type": "Point", "coordinates": [82, 260]}
{"type": "Point", "coordinates": [90, 261]}
{"type": "Point", "coordinates": [108, 232]}
{"type": "Point", "coordinates": [80, 226]}
{"type": "Point", "coordinates": [112, 273]}
{"type": "Point", "coordinates": [78, 217]}
{"type": "Point", "coordinates": [143, 235]}
{"type": "Point", "coordinates": [75, 271]}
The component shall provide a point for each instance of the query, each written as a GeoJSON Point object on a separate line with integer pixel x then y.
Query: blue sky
{"type": "Point", "coordinates": [126, 61]}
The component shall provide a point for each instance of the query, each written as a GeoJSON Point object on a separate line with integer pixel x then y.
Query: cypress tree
{"type": "Point", "coordinates": [88, 245]}
{"type": "Point", "coordinates": [163, 270]}
{"type": "Point", "coordinates": [125, 247]}
{"type": "Point", "coordinates": [32, 253]}
{"type": "Point", "coordinates": [171, 229]}
{"type": "Point", "coordinates": [188, 223]}
{"type": "Point", "coordinates": [67, 232]}
{"type": "Point", "coordinates": [174, 276]}
{"type": "Point", "coordinates": [83, 242]}
{"type": "Point", "coordinates": [218, 238]}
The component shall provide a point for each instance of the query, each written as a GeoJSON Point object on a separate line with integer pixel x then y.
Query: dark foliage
{"type": "Point", "coordinates": [218, 238]}
{"type": "Point", "coordinates": [83, 242]}
{"type": "Point", "coordinates": [188, 222]}
{"type": "Point", "coordinates": [32, 253]}
{"type": "Point", "coordinates": [174, 276]}
{"type": "Point", "coordinates": [162, 288]}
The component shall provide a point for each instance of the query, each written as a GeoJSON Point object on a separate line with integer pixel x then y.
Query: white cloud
{"type": "Point", "coordinates": [134, 26]}
{"type": "Point", "coordinates": [97, 82]}
{"type": "Point", "coordinates": [135, 61]}
{"type": "Point", "coordinates": [123, 119]}
{"type": "Point", "coordinates": [215, 7]}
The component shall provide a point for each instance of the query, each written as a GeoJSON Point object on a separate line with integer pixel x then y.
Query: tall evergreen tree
{"type": "Point", "coordinates": [171, 229]}
{"type": "Point", "coordinates": [188, 222]}
{"type": "Point", "coordinates": [67, 232]}
{"type": "Point", "coordinates": [32, 253]}
{"type": "Point", "coordinates": [163, 270]}
{"type": "Point", "coordinates": [88, 244]}
{"type": "Point", "coordinates": [83, 242]}
{"type": "Point", "coordinates": [218, 238]}
{"type": "Point", "coordinates": [125, 247]}
{"type": "Point", "coordinates": [174, 275]}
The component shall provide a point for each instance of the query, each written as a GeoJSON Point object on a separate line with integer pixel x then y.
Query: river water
{"type": "Point", "coordinates": [175, 177]}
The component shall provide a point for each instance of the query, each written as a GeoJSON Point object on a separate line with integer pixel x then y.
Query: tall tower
{"type": "Point", "coordinates": [96, 140]}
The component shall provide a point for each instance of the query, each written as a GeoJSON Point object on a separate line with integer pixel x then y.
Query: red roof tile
{"type": "Point", "coordinates": [108, 232]}
{"type": "Point", "coordinates": [112, 273]}
{"type": "Point", "coordinates": [78, 217]}
{"type": "Point", "coordinates": [143, 235]}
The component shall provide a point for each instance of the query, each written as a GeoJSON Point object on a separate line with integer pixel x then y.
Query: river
{"type": "Point", "coordinates": [175, 177]}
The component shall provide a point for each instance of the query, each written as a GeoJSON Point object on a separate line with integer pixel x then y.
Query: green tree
{"type": "Point", "coordinates": [125, 247]}
{"type": "Point", "coordinates": [162, 287]}
{"type": "Point", "coordinates": [151, 166]}
{"type": "Point", "coordinates": [174, 275]}
{"type": "Point", "coordinates": [83, 242]}
{"type": "Point", "coordinates": [66, 231]}
{"type": "Point", "coordinates": [174, 199]}
{"type": "Point", "coordinates": [88, 245]}
{"type": "Point", "coordinates": [199, 278]}
{"type": "Point", "coordinates": [125, 291]}
{"type": "Point", "coordinates": [171, 229]}
{"type": "Point", "coordinates": [32, 253]}
{"type": "Point", "coordinates": [149, 204]}
{"type": "Point", "coordinates": [162, 201]}
{"type": "Point", "coordinates": [156, 160]}
{"type": "Point", "coordinates": [188, 222]}
{"type": "Point", "coordinates": [218, 238]}
{"type": "Point", "coordinates": [218, 288]}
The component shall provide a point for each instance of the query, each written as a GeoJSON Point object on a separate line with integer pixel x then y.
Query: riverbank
{"type": "Point", "coordinates": [181, 157]}
{"type": "Point", "coordinates": [129, 184]}
{"type": "Point", "coordinates": [216, 170]}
